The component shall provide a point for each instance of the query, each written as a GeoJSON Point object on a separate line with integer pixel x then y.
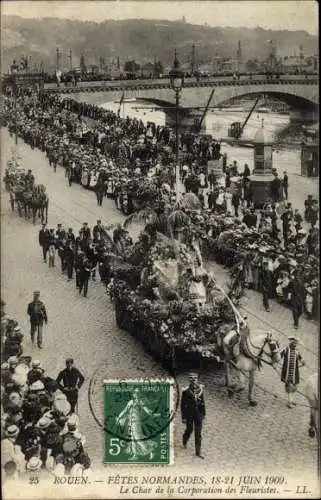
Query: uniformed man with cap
{"type": "Point", "coordinates": [38, 315]}
{"type": "Point", "coordinates": [193, 412]}
{"type": "Point", "coordinates": [84, 275]}
{"type": "Point", "coordinates": [85, 231]}
{"type": "Point", "coordinates": [70, 381]}
{"type": "Point", "coordinates": [98, 232]}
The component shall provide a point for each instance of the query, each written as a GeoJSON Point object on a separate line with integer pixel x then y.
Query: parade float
{"type": "Point", "coordinates": [164, 296]}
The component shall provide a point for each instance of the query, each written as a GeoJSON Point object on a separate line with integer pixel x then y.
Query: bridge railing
{"type": "Point", "coordinates": [110, 87]}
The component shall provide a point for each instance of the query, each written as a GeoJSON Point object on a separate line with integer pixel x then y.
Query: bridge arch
{"type": "Point", "coordinates": [295, 101]}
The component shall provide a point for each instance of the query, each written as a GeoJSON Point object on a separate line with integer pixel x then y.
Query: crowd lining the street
{"type": "Point", "coordinates": [114, 155]}
{"type": "Point", "coordinates": [39, 424]}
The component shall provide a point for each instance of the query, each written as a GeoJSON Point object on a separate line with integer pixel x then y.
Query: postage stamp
{"type": "Point", "coordinates": [138, 421]}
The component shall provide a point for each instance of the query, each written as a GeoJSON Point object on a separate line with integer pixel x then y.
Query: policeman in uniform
{"type": "Point", "coordinates": [85, 231]}
{"type": "Point", "coordinates": [78, 261]}
{"type": "Point", "coordinates": [70, 381]}
{"type": "Point", "coordinates": [193, 412]}
{"type": "Point", "coordinates": [85, 271]}
{"type": "Point", "coordinates": [98, 232]}
{"type": "Point", "coordinates": [38, 315]}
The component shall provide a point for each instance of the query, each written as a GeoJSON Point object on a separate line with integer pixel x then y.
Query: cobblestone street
{"type": "Point", "coordinates": [235, 436]}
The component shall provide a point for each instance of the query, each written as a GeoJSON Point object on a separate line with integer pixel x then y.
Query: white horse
{"type": "Point", "coordinates": [247, 356]}
{"type": "Point", "coordinates": [312, 395]}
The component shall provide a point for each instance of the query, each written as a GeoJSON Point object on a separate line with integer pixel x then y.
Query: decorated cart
{"type": "Point", "coordinates": [170, 303]}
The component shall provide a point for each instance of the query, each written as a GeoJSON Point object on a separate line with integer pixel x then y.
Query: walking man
{"type": "Point", "coordinates": [290, 374]}
{"type": "Point", "coordinates": [285, 185]}
{"type": "Point", "coordinates": [266, 285]}
{"type": "Point", "coordinates": [297, 291]}
{"type": "Point", "coordinates": [70, 381]}
{"type": "Point", "coordinates": [69, 257]}
{"type": "Point", "coordinates": [44, 237]}
{"type": "Point", "coordinates": [193, 412]}
{"type": "Point", "coordinates": [85, 271]}
{"type": "Point", "coordinates": [38, 315]}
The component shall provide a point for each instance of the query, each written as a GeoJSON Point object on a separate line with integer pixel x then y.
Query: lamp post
{"type": "Point", "coordinates": [176, 76]}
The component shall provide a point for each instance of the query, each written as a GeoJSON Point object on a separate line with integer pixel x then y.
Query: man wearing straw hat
{"type": "Point", "coordinates": [290, 373]}
{"type": "Point", "coordinates": [193, 412]}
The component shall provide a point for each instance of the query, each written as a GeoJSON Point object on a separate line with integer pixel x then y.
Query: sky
{"type": "Point", "coordinates": [269, 14]}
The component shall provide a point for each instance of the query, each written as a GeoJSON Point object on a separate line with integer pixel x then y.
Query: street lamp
{"type": "Point", "coordinates": [176, 76]}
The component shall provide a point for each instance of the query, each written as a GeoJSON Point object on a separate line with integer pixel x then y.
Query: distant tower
{"type": "Point", "coordinates": [193, 60]}
{"type": "Point", "coordinates": [70, 59]}
{"type": "Point", "coordinates": [301, 52]}
{"type": "Point", "coordinates": [239, 51]}
{"type": "Point", "coordinates": [58, 58]}
{"type": "Point", "coordinates": [118, 62]}
{"type": "Point", "coordinates": [239, 56]}
{"type": "Point", "coordinates": [101, 63]}
{"type": "Point", "coordinates": [82, 64]}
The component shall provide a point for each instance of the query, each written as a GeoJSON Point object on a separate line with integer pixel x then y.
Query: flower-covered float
{"type": "Point", "coordinates": [166, 299]}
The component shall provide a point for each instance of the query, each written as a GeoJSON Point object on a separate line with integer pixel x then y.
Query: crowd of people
{"type": "Point", "coordinates": [40, 427]}
{"type": "Point", "coordinates": [81, 255]}
{"type": "Point", "coordinates": [115, 154]}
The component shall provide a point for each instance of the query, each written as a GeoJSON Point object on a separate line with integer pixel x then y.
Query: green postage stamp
{"type": "Point", "coordinates": [138, 418]}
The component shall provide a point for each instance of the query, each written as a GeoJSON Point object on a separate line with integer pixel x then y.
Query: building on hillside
{"type": "Point", "coordinates": [93, 69]}
{"type": "Point", "coordinates": [148, 70]}
{"type": "Point", "coordinates": [294, 64]}
{"type": "Point", "coordinates": [233, 65]}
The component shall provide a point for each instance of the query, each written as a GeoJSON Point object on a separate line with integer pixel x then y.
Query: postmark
{"type": "Point", "coordinates": [138, 417]}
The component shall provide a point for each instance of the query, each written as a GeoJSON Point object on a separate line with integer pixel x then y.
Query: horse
{"type": "Point", "coordinates": [312, 395]}
{"type": "Point", "coordinates": [246, 353]}
{"type": "Point", "coordinates": [39, 203]}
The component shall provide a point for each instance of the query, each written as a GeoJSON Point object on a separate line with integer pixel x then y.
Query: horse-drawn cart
{"type": "Point", "coordinates": [173, 357]}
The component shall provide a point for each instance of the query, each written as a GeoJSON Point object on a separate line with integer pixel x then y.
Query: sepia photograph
{"type": "Point", "coordinates": [160, 249]}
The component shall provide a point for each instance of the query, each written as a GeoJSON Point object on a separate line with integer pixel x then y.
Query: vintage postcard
{"type": "Point", "coordinates": [160, 249]}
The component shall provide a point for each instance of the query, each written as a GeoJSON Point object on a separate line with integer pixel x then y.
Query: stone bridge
{"type": "Point", "coordinates": [302, 94]}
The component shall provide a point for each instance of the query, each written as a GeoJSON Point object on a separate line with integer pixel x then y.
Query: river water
{"type": "Point", "coordinates": [217, 123]}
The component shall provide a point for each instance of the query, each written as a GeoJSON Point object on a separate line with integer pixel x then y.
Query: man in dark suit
{"type": "Point", "coordinates": [38, 315]}
{"type": "Point", "coordinates": [44, 238]}
{"type": "Point", "coordinates": [266, 285]}
{"type": "Point", "coordinates": [193, 412]}
{"type": "Point", "coordinates": [297, 291]}
{"type": "Point", "coordinates": [69, 258]}
{"type": "Point", "coordinates": [84, 275]}
{"type": "Point", "coordinates": [98, 232]}
{"type": "Point", "coordinates": [70, 381]}
{"type": "Point", "coordinates": [285, 185]}
{"type": "Point", "coordinates": [85, 231]}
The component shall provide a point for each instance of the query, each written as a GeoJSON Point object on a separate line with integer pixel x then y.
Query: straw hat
{"type": "Point", "coordinates": [37, 386]}
{"type": "Point", "coordinates": [12, 431]}
{"type": "Point", "coordinates": [34, 464]}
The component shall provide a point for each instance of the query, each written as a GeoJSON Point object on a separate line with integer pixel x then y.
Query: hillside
{"type": "Point", "coordinates": [142, 40]}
